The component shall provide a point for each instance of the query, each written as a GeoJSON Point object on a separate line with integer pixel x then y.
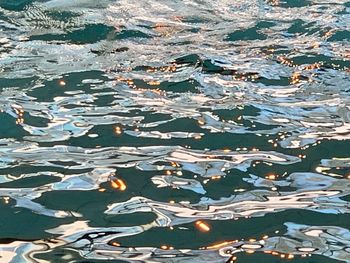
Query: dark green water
{"type": "Point", "coordinates": [174, 131]}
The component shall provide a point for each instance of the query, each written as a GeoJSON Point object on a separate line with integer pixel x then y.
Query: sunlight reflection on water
{"type": "Point", "coordinates": [149, 131]}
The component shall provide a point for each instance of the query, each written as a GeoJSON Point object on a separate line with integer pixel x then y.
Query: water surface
{"type": "Point", "coordinates": [174, 131]}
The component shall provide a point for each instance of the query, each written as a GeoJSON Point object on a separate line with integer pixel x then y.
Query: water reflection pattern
{"type": "Point", "coordinates": [185, 112]}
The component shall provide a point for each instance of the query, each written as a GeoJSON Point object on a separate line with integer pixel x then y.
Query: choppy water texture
{"type": "Point", "coordinates": [174, 131]}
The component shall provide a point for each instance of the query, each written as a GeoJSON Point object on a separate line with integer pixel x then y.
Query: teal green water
{"type": "Point", "coordinates": [174, 131]}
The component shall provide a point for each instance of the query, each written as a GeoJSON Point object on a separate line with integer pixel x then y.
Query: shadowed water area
{"type": "Point", "coordinates": [179, 131]}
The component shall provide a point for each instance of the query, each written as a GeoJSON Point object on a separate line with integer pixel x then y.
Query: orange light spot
{"type": "Point", "coordinates": [118, 130]}
{"type": "Point", "coordinates": [232, 259]}
{"type": "Point", "coordinates": [328, 34]}
{"type": "Point", "coordinates": [201, 121]}
{"type": "Point", "coordinates": [115, 244]}
{"type": "Point", "coordinates": [120, 78]}
{"type": "Point", "coordinates": [315, 45]}
{"type": "Point", "coordinates": [153, 83]}
{"type": "Point", "coordinates": [271, 177]}
{"type": "Point", "coordinates": [62, 82]}
{"type": "Point", "coordinates": [202, 226]}
{"type": "Point", "coordinates": [102, 190]}
{"type": "Point", "coordinates": [219, 245]}
{"type": "Point", "coordinates": [174, 164]}
{"type": "Point", "coordinates": [295, 78]}
{"type": "Point", "coordinates": [118, 184]}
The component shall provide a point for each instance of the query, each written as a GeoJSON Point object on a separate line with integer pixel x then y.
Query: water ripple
{"type": "Point", "coordinates": [123, 120]}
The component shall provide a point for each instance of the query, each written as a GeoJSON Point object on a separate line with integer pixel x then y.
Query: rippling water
{"type": "Point", "coordinates": [175, 131]}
